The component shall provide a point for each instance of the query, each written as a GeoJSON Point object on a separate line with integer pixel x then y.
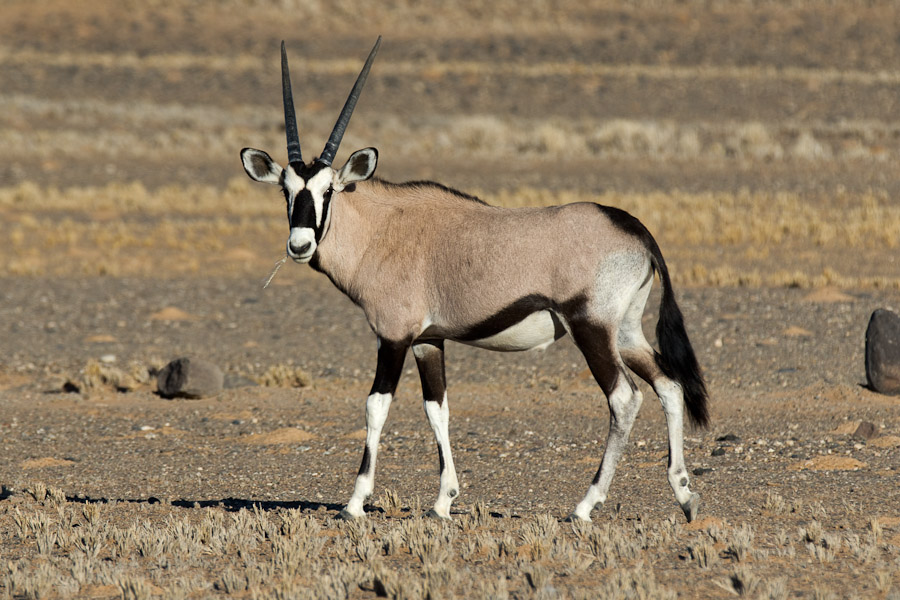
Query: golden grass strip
{"type": "Point", "coordinates": [863, 220]}
{"type": "Point", "coordinates": [19, 57]}
{"type": "Point", "coordinates": [712, 238]}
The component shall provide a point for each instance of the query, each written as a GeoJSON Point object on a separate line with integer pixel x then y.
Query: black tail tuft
{"type": "Point", "coordinates": [676, 356]}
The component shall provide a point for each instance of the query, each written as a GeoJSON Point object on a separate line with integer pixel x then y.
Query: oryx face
{"type": "Point", "coordinates": [308, 188]}
{"type": "Point", "coordinates": [308, 191]}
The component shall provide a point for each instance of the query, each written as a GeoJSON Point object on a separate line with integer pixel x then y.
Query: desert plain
{"type": "Point", "coordinates": [757, 140]}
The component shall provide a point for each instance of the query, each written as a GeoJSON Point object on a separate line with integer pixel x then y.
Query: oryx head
{"type": "Point", "coordinates": [308, 188]}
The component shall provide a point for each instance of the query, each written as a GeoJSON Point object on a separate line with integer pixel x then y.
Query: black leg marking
{"type": "Point", "coordinates": [390, 366]}
{"type": "Point", "coordinates": [441, 460]}
{"type": "Point", "coordinates": [430, 361]}
{"type": "Point", "coordinates": [364, 466]}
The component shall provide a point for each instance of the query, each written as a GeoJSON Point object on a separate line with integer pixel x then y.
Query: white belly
{"type": "Point", "coordinates": [536, 331]}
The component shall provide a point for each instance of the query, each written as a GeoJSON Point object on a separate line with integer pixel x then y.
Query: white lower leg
{"type": "Point", "coordinates": [439, 418]}
{"type": "Point", "coordinates": [377, 406]}
{"type": "Point", "coordinates": [624, 404]}
{"type": "Point", "coordinates": [670, 396]}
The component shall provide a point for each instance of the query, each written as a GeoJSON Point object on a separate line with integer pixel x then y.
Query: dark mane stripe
{"type": "Point", "coordinates": [438, 186]}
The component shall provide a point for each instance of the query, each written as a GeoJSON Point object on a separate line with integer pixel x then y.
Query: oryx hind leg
{"type": "Point", "coordinates": [640, 357]}
{"type": "Point", "coordinates": [597, 344]}
{"type": "Point", "coordinates": [430, 361]}
{"type": "Point", "coordinates": [387, 375]}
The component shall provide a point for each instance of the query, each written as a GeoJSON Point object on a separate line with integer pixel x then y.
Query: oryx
{"type": "Point", "coordinates": [428, 264]}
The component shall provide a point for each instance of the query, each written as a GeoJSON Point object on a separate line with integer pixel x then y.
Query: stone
{"type": "Point", "coordinates": [866, 431]}
{"type": "Point", "coordinates": [883, 352]}
{"type": "Point", "coordinates": [190, 378]}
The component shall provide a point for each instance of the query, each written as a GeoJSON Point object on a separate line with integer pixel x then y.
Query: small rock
{"type": "Point", "coordinates": [728, 437]}
{"type": "Point", "coordinates": [189, 378]}
{"type": "Point", "coordinates": [866, 431]}
{"type": "Point", "coordinates": [701, 471]}
{"type": "Point", "coordinates": [718, 452]}
{"type": "Point", "coordinates": [883, 352]}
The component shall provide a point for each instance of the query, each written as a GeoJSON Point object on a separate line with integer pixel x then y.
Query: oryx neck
{"type": "Point", "coordinates": [355, 222]}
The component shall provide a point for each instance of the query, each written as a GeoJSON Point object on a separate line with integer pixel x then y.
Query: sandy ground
{"type": "Point", "coordinates": [758, 141]}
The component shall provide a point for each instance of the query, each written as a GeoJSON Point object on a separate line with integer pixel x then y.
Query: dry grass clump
{"type": "Point", "coordinates": [775, 504]}
{"type": "Point", "coordinates": [98, 375]}
{"type": "Point", "coordinates": [284, 376]}
{"type": "Point", "coordinates": [741, 542]}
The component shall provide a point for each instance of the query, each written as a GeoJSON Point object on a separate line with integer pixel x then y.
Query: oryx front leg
{"type": "Point", "coordinates": [387, 375]}
{"type": "Point", "coordinates": [430, 360]}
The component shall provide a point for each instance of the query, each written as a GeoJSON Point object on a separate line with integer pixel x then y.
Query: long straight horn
{"type": "Point", "coordinates": [290, 119]}
{"type": "Point", "coordinates": [331, 147]}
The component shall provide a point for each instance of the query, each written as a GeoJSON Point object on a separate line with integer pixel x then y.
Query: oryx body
{"type": "Point", "coordinates": [428, 264]}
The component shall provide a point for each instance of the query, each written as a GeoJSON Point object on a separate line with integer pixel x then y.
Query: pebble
{"type": "Point", "coordinates": [866, 431]}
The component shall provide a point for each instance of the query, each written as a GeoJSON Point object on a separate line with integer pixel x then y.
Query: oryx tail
{"type": "Point", "coordinates": [676, 357]}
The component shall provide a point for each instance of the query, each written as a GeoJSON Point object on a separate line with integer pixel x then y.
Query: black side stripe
{"type": "Point", "coordinates": [519, 310]}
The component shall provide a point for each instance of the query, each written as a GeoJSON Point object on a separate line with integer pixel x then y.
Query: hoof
{"type": "Point", "coordinates": [432, 514]}
{"type": "Point", "coordinates": [691, 507]}
{"type": "Point", "coordinates": [345, 515]}
{"type": "Point", "coordinates": [573, 518]}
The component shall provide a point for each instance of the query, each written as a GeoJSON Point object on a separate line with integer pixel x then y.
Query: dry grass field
{"type": "Point", "coordinates": [758, 141]}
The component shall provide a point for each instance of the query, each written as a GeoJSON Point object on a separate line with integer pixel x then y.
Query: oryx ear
{"type": "Point", "coordinates": [360, 166]}
{"type": "Point", "coordinates": [260, 166]}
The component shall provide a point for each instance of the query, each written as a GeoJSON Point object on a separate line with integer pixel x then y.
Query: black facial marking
{"type": "Point", "coordinates": [304, 210]}
{"type": "Point", "coordinates": [364, 466]}
{"type": "Point", "coordinates": [304, 214]}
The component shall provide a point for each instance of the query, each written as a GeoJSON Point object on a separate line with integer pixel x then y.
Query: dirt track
{"type": "Point", "coordinates": [759, 143]}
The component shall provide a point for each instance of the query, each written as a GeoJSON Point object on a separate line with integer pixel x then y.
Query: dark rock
{"type": "Point", "coordinates": [866, 431]}
{"type": "Point", "coordinates": [718, 452]}
{"type": "Point", "coordinates": [189, 378]}
{"type": "Point", "coordinates": [701, 471]}
{"type": "Point", "coordinates": [883, 352]}
{"type": "Point", "coordinates": [728, 437]}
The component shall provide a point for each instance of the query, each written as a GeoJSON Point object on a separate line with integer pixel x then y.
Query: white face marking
{"type": "Point", "coordinates": [317, 186]}
{"type": "Point", "coordinates": [293, 182]}
{"type": "Point", "coordinates": [300, 237]}
{"type": "Point", "coordinates": [536, 331]}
